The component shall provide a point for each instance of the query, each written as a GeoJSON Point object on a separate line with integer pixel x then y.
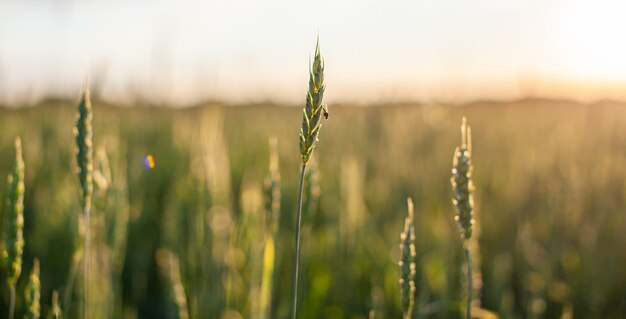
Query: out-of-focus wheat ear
{"type": "Point", "coordinates": [272, 189]}
{"type": "Point", "coordinates": [407, 263]}
{"type": "Point", "coordinates": [32, 293]}
{"type": "Point", "coordinates": [84, 160]}
{"type": "Point", "coordinates": [55, 311]}
{"type": "Point", "coordinates": [314, 107]}
{"type": "Point", "coordinates": [463, 201]}
{"type": "Point", "coordinates": [84, 147]}
{"type": "Point", "coordinates": [14, 223]}
{"type": "Point", "coordinates": [462, 183]}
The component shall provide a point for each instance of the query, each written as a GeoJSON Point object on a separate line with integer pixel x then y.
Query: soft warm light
{"type": "Point", "coordinates": [594, 47]}
{"type": "Point", "coordinates": [185, 52]}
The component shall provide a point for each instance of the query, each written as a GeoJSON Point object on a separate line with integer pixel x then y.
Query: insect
{"type": "Point", "coordinates": [326, 114]}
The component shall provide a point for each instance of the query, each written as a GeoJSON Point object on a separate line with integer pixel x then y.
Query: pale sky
{"type": "Point", "coordinates": [186, 51]}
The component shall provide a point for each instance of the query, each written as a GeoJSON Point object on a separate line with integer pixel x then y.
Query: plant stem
{"type": "Point", "coordinates": [67, 296]}
{"type": "Point", "coordinates": [468, 259]}
{"type": "Point", "coordinates": [87, 214]}
{"type": "Point", "coordinates": [296, 258]}
{"type": "Point", "coordinates": [12, 302]}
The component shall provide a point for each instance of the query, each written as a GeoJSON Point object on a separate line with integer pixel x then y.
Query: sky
{"type": "Point", "coordinates": [238, 51]}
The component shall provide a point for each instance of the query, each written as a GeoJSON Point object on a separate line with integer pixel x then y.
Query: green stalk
{"type": "Point", "coordinates": [468, 259]}
{"type": "Point", "coordinates": [11, 302]}
{"type": "Point", "coordinates": [86, 214]}
{"type": "Point", "coordinates": [265, 302]}
{"type": "Point", "coordinates": [296, 258]}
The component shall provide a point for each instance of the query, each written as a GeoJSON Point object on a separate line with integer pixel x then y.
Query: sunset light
{"type": "Point", "coordinates": [280, 159]}
{"type": "Point", "coordinates": [399, 51]}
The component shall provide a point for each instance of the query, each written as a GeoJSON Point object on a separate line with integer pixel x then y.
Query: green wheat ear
{"type": "Point", "coordinates": [314, 107]}
{"type": "Point", "coordinates": [84, 147]}
{"type": "Point", "coordinates": [463, 201]}
{"type": "Point", "coordinates": [407, 263]}
{"type": "Point", "coordinates": [462, 183]}
{"type": "Point", "coordinates": [32, 293]}
{"type": "Point", "coordinates": [311, 124]}
{"type": "Point", "coordinates": [84, 160]}
{"type": "Point", "coordinates": [14, 225]}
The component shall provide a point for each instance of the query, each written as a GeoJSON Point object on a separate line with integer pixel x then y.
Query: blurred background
{"type": "Point", "coordinates": [187, 52]}
{"type": "Point", "coordinates": [203, 86]}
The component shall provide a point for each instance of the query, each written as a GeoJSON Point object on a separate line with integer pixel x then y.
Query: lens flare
{"type": "Point", "coordinates": [148, 162]}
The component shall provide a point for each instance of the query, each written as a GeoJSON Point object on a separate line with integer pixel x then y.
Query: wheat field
{"type": "Point", "coordinates": [186, 238]}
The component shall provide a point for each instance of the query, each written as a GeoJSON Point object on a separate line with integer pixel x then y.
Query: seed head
{"type": "Point", "coordinates": [84, 147]}
{"type": "Point", "coordinates": [32, 293]}
{"type": "Point", "coordinates": [14, 225]}
{"type": "Point", "coordinates": [462, 183]}
{"type": "Point", "coordinates": [407, 263]}
{"type": "Point", "coordinates": [314, 107]}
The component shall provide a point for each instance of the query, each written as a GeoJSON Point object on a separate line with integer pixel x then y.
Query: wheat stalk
{"type": "Point", "coordinates": [311, 124]}
{"type": "Point", "coordinates": [169, 267]}
{"type": "Point", "coordinates": [272, 189]}
{"type": "Point", "coordinates": [84, 159]}
{"type": "Point", "coordinates": [312, 190]}
{"type": "Point", "coordinates": [32, 293]}
{"type": "Point", "coordinates": [13, 230]}
{"type": "Point", "coordinates": [407, 263]}
{"type": "Point", "coordinates": [266, 279]}
{"type": "Point", "coordinates": [272, 215]}
{"type": "Point", "coordinates": [463, 200]}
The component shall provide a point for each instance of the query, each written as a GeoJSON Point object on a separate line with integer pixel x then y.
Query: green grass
{"type": "Point", "coordinates": [550, 191]}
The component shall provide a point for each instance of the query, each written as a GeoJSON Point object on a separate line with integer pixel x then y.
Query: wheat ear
{"type": "Point", "coordinates": [314, 107]}
{"type": "Point", "coordinates": [14, 225]}
{"type": "Point", "coordinates": [84, 159]}
{"type": "Point", "coordinates": [463, 201]}
{"type": "Point", "coordinates": [311, 124]}
{"type": "Point", "coordinates": [407, 263]}
{"type": "Point", "coordinates": [32, 293]}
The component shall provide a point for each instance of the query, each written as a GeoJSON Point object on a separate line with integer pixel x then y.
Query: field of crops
{"type": "Point", "coordinates": [190, 234]}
